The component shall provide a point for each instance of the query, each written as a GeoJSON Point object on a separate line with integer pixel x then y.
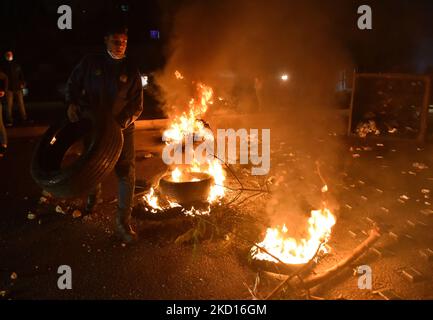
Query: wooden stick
{"type": "Point", "coordinates": [294, 274]}
{"type": "Point", "coordinates": [320, 174]}
{"type": "Point", "coordinates": [330, 273]}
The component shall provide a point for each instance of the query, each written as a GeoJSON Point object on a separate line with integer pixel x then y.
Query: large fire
{"type": "Point", "coordinates": [190, 123]}
{"type": "Point", "coordinates": [293, 251]}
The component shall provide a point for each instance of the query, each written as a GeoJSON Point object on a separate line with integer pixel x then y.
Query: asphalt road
{"type": "Point", "coordinates": [369, 182]}
{"type": "Point", "coordinates": [102, 268]}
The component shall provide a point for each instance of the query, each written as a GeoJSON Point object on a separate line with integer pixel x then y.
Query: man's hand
{"type": "Point", "coordinates": [2, 94]}
{"type": "Point", "coordinates": [73, 113]}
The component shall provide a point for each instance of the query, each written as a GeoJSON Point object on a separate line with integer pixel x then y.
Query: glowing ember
{"type": "Point", "coordinates": [196, 212]}
{"type": "Point", "coordinates": [174, 204]}
{"type": "Point", "coordinates": [292, 251]}
{"type": "Point", "coordinates": [178, 75]}
{"type": "Point", "coordinates": [152, 200]}
{"type": "Point", "coordinates": [176, 175]}
{"type": "Point", "coordinates": [217, 172]}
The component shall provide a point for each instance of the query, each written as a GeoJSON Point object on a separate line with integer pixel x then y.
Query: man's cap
{"type": "Point", "coordinates": [116, 29]}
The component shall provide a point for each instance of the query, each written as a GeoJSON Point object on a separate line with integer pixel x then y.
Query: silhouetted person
{"type": "Point", "coordinates": [16, 85]}
{"type": "Point", "coordinates": [258, 88]}
{"type": "Point", "coordinates": [3, 135]}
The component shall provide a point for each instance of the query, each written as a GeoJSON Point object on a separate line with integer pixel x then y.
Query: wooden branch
{"type": "Point", "coordinates": [275, 276]}
{"type": "Point", "coordinates": [330, 273]}
{"type": "Point", "coordinates": [320, 174]}
{"type": "Point", "coordinates": [294, 275]}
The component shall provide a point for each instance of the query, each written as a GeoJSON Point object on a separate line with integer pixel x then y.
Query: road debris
{"type": "Point", "coordinates": [76, 214]}
{"type": "Point", "coordinates": [427, 254]}
{"type": "Point", "coordinates": [394, 236]}
{"type": "Point", "coordinates": [43, 200]}
{"type": "Point", "coordinates": [411, 223]}
{"type": "Point", "coordinates": [419, 165]}
{"type": "Point", "coordinates": [59, 209]}
{"type": "Point", "coordinates": [412, 275]}
{"type": "Point", "coordinates": [427, 212]}
{"type": "Point", "coordinates": [387, 294]}
{"type": "Point", "coordinates": [31, 216]}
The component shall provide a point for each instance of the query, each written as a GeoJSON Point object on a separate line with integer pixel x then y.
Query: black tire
{"type": "Point", "coordinates": [187, 192]}
{"type": "Point", "coordinates": [103, 147]}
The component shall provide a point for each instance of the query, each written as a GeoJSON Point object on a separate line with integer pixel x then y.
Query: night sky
{"type": "Point", "coordinates": [401, 39]}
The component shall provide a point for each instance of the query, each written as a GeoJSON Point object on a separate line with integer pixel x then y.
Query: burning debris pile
{"type": "Point", "coordinates": [292, 260]}
{"type": "Point", "coordinates": [363, 129]}
{"type": "Point", "coordinates": [292, 251]}
{"type": "Point", "coordinates": [183, 184]}
{"type": "Point", "coordinates": [204, 176]}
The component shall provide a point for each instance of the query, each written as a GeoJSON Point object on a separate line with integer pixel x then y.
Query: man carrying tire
{"type": "Point", "coordinates": [105, 84]}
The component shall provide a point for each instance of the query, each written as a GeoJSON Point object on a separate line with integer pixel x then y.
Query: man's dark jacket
{"type": "Point", "coordinates": [103, 84]}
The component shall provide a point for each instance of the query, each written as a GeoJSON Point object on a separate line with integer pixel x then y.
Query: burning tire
{"type": "Point", "coordinates": [195, 187]}
{"type": "Point", "coordinates": [52, 169]}
{"type": "Point", "coordinates": [280, 268]}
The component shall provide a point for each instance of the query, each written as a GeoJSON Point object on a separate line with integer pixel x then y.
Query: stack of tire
{"type": "Point", "coordinates": [103, 147]}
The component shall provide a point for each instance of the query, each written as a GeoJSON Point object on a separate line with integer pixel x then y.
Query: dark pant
{"type": "Point", "coordinates": [125, 171]}
{"type": "Point", "coordinates": [20, 99]}
{"type": "Point", "coordinates": [3, 135]}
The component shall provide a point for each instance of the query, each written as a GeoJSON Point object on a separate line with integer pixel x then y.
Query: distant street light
{"type": "Point", "coordinates": [144, 81]}
{"type": "Point", "coordinates": [285, 77]}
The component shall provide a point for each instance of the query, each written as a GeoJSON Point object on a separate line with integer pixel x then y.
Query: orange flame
{"type": "Point", "coordinates": [176, 175]}
{"type": "Point", "coordinates": [189, 123]}
{"type": "Point", "coordinates": [292, 251]}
